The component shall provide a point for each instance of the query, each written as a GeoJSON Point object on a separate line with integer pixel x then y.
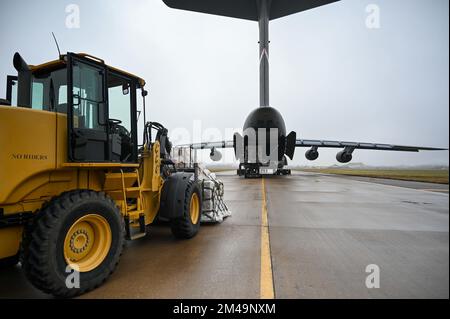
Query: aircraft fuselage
{"type": "Point", "coordinates": [263, 147]}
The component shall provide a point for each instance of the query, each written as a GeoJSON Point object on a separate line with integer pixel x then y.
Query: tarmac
{"type": "Point", "coordinates": [302, 236]}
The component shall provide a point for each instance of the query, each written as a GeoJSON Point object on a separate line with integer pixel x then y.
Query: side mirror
{"type": "Point", "coordinates": [101, 114]}
{"type": "Point", "coordinates": [144, 93]}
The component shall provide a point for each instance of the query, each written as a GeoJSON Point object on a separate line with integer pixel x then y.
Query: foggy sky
{"type": "Point", "coordinates": [330, 76]}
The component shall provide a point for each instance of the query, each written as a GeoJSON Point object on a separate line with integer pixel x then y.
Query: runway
{"type": "Point", "coordinates": [323, 231]}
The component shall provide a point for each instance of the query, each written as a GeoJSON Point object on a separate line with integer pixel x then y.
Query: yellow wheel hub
{"type": "Point", "coordinates": [195, 208]}
{"type": "Point", "coordinates": [87, 242]}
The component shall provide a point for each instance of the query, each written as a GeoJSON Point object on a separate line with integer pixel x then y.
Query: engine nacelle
{"type": "Point", "coordinates": [215, 155]}
{"type": "Point", "coordinates": [312, 155]}
{"type": "Point", "coordinates": [344, 157]}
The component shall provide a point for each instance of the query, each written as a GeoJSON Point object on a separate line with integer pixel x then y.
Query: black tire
{"type": "Point", "coordinates": [43, 258]}
{"type": "Point", "coordinates": [9, 262]}
{"type": "Point", "coordinates": [183, 227]}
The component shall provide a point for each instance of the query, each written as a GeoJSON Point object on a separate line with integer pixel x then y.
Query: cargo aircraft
{"type": "Point", "coordinates": [265, 143]}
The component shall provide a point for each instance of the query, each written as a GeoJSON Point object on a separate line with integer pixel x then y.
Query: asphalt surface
{"type": "Point", "coordinates": [323, 232]}
{"type": "Point", "coordinates": [433, 187]}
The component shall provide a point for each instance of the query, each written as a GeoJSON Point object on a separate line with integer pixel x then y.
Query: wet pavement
{"type": "Point", "coordinates": [323, 232]}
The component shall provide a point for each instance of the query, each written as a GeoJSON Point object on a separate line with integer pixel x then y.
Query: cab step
{"type": "Point", "coordinates": [130, 192]}
{"type": "Point", "coordinates": [129, 235]}
{"type": "Point", "coordinates": [118, 180]}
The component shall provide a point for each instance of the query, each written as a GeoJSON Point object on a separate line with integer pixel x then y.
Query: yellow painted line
{"type": "Point", "coordinates": [266, 278]}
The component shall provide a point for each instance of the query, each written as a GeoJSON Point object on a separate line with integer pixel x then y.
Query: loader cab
{"type": "Point", "coordinates": [100, 103]}
{"type": "Point", "coordinates": [102, 111]}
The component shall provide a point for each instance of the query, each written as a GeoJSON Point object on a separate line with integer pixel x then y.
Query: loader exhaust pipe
{"type": "Point", "coordinates": [24, 81]}
{"type": "Point", "coordinates": [19, 63]}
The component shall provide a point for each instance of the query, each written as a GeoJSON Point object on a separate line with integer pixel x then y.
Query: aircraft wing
{"type": "Point", "coordinates": [208, 145]}
{"type": "Point", "coordinates": [343, 156]}
{"type": "Point", "coordinates": [215, 155]}
{"type": "Point", "coordinates": [325, 144]}
{"type": "Point", "coordinates": [363, 146]}
{"type": "Point", "coordinates": [246, 9]}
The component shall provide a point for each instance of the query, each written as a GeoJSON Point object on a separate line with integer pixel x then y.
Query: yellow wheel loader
{"type": "Point", "coordinates": [74, 183]}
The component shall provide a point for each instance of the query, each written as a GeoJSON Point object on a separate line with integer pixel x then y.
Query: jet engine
{"type": "Point", "coordinates": [215, 155]}
{"type": "Point", "coordinates": [312, 154]}
{"type": "Point", "coordinates": [344, 156]}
